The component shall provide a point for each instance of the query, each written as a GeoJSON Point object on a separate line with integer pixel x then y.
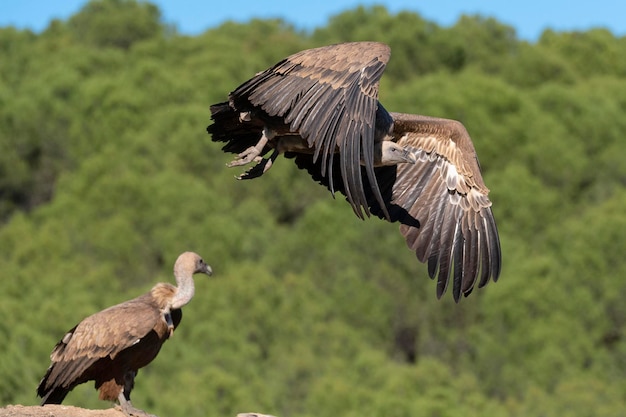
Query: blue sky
{"type": "Point", "coordinates": [529, 17]}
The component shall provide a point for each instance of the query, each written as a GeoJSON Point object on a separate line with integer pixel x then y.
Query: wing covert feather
{"type": "Point", "coordinates": [95, 337]}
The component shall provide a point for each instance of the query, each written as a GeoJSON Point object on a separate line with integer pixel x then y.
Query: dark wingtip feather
{"type": "Point", "coordinates": [433, 263]}
{"type": "Point", "coordinates": [496, 260]}
{"type": "Point", "coordinates": [50, 394]}
{"type": "Point", "coordinates": [492, 256]}
{"type": "Point", "coordinates": [458, 265]}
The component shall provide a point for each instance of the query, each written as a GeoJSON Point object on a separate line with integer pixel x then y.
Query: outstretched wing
{"type": "Point", "coordinates": [329, 96]}
{"type": "Point", "coordinates": [442, 203]}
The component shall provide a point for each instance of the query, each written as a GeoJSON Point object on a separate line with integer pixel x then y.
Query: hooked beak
{"type": "Point", "coordinates": [392, 154]}
{"type": "Point", "coordinates": [409, 156]}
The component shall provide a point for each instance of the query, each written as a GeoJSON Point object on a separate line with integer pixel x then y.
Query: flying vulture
{"type": "Point", "coordinates": [320, 106]}
{"type": "Point", "coordinates": [109, 347]}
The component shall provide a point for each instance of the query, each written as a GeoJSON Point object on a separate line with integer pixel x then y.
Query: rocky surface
{"type": "Point", "coordinates": [53, 410]}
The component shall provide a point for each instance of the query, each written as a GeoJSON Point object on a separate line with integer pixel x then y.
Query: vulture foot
{"type": "Point", "coordinates": [253, 153]}
{"type": "Point", "coordinates": [129, 410]}
{"type": "Point", "coordinates": [247, 156]}
{"type": "Point", "coordinates": [263, 165]}
{"type": "Point", "coordinates": [124, 399]}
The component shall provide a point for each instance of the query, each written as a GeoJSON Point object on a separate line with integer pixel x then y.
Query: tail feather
{"type": "Point", "coordinates": [54, 396]}
{"type": "Point", "coordinates": [51, 394]}
{"type": "Point", "coordinates": [61, 378]}
{"type": "Point", "coordinates": [228, 128]}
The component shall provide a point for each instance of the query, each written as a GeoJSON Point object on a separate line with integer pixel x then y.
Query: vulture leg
{"type": "Point", "coordinates": [124, 397]}
{"type": "Point", "coordinates": [253, 152]}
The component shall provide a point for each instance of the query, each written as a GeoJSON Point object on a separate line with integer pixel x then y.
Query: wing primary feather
{"type": "Point", "coordinates": [433, 267]}
{"type": "Point", "coordinates": [368, 157]}
{"type": "Point", "coordinates": [485, 266]}
{"type": "Point", "coordinates": [433, 205]}
{"type": "Point", "coordinates": [494, 245]}
{"type": "Point", "coordinates": [352, 163]}
{"type": "Point", "coordinates": [470, 252]}
{"type": "Point", "coordinates": [347, 180]}
{"type": "Point", "coordinates": [459, 242]}
{"type": "Point", "coordinates": [439, 208]}
{"type": "Point", "coordinates": [445, 258]}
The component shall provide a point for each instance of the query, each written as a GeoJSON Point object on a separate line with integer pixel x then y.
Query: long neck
{"type": "Point", "coordinates": [185, 288]}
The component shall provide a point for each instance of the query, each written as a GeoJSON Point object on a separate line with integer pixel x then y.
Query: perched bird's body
{"type": "Point", "coordinates": [320, 107]}
{"type": "Point", "coordinates": [109, 347]}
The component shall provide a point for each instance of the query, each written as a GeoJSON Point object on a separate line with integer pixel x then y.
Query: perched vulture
{"type": "Point", "coordinates": [320, 107]}
{"type": "Point", "coordinates": [109, 347]}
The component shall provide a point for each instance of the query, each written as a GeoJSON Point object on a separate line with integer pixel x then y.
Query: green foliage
{"type": "Point", "coordinates": [116, 23]}
{"type": "Point", "coordinates": [595, 52]}
{"type": "Point", "coordinates": [107, 174]}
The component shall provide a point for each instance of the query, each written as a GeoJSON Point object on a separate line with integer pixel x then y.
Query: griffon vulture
{"type": "Point", "coordinates": [320, 107]}
{"type": "Point", "coordinates": [109, 347]}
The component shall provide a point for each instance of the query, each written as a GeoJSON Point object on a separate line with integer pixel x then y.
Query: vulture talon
{"type": "Point", "coordinates": [249, 155]}
{"type": "Point", "coordinates": [253, 153]}
{"type": "Point", "coordinates": [128, 409]}
{"type": "Point", "coordinates": [259, 169]}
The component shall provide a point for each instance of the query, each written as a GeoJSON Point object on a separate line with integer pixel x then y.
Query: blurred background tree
{"type": "Point", "coordinates": [107, 174]}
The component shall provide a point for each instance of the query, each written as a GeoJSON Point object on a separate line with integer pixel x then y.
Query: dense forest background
{"type": "Point", "coordinates": [107, 174]}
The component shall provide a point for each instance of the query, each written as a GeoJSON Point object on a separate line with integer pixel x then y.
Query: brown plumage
{"type": "Point", "coordinates": [320, 106]}
{"type": "Point", "coordinates": [109, 347]}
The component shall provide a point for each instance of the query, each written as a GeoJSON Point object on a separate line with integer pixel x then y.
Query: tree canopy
{"type": "Point", "coordinates": [107, 174]}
